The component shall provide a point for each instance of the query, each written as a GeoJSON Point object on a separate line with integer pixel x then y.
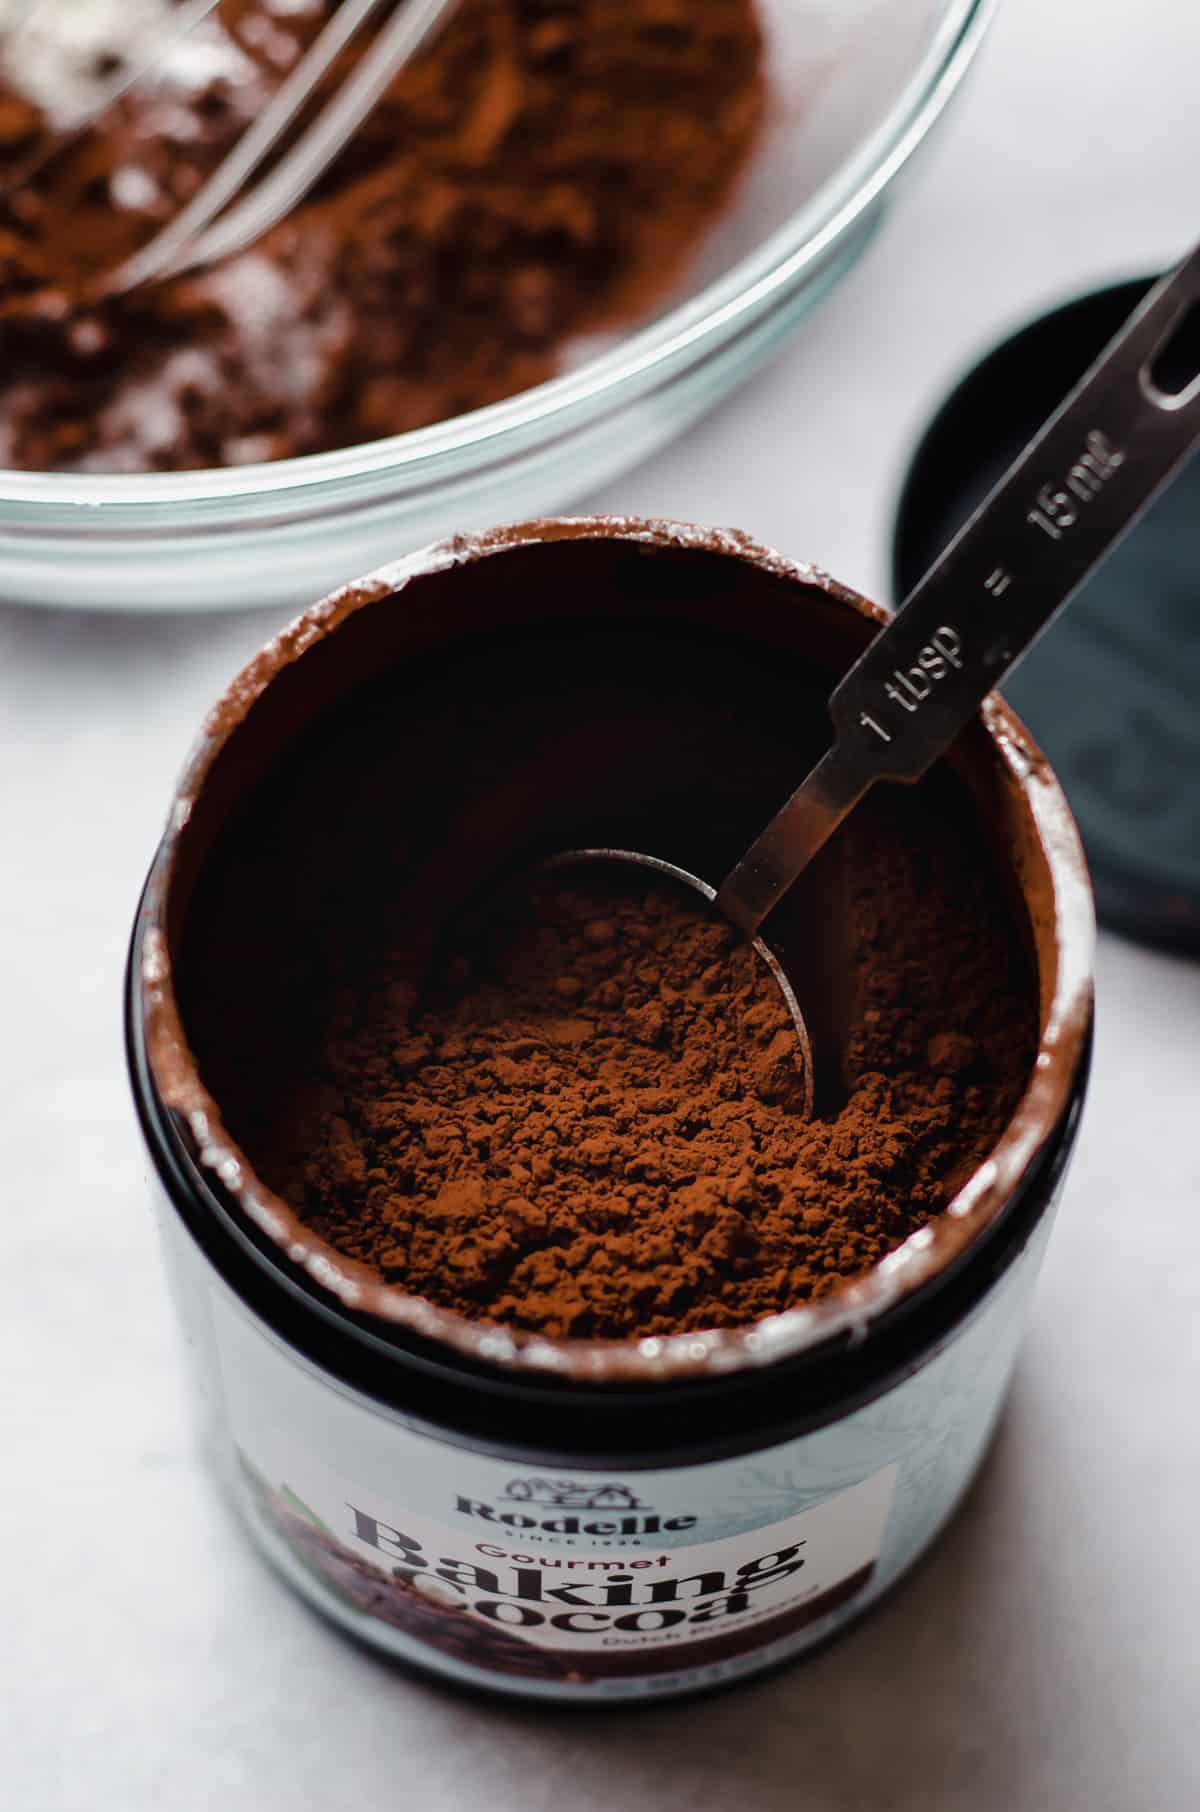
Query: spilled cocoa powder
{"type": "Point", "coordinates": [569, 1107]}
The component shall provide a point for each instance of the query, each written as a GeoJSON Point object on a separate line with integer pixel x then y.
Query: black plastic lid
{"type": "Point", "coordinates": [1112, 691]}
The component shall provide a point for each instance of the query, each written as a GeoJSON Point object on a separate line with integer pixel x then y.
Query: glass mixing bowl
{"type": "Point", "coordinates": [857, 86]}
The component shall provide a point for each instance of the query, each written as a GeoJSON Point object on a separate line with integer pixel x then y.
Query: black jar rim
{"type": "Point", "coordinates": [1061, 920]}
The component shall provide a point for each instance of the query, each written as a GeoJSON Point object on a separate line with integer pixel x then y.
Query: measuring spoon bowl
{"type": "Point", "coordinates": [657, 866]}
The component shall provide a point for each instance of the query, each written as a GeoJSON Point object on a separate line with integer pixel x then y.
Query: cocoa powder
{"type": "Point", "coordinates": [569, 1106]}
{"type": "Point", "coordinates": [596, 1126]}
{"type": "Point", "coordinates": [539, 171]}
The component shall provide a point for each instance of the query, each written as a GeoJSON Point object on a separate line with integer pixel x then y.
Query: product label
{"type": "Point", "coordinates": [573, 1579]}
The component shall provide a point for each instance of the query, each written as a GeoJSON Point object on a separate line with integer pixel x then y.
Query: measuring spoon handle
{"type": "Point", "coordinates": [1076, 489]}
{"type": "Point", "coordinates": [1068, 498]}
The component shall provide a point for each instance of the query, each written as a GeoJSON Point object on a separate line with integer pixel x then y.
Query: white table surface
{"type": "Point", "coordinates": [1048, 1657]}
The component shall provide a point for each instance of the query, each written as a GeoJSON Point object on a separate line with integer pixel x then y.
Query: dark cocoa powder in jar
{"type": "Point", "coordinates": [578, 1114]}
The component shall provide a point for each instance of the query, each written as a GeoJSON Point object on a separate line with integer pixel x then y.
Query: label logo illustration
{"type": "Point", "coordinates": [564, 1494]}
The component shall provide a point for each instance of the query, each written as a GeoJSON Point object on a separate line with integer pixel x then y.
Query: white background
{"type": "Point", "coordinates": [1048, 1657]}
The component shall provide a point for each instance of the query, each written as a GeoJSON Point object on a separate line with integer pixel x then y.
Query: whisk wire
{"type": "Point", "coordinates": [208, 227]}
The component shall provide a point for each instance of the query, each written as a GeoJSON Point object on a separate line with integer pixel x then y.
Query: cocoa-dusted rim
{"type": "Point", "coordinates": [1066, 912]}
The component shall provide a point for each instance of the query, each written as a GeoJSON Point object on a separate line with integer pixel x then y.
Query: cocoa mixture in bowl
{"type": "Point", "coordinates": [538, 172]}
{"type": "Point", "coordinates": [572, 1117]}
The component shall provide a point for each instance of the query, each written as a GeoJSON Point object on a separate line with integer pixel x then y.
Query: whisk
{"type": "Point", "coordinates": [231, 210]}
